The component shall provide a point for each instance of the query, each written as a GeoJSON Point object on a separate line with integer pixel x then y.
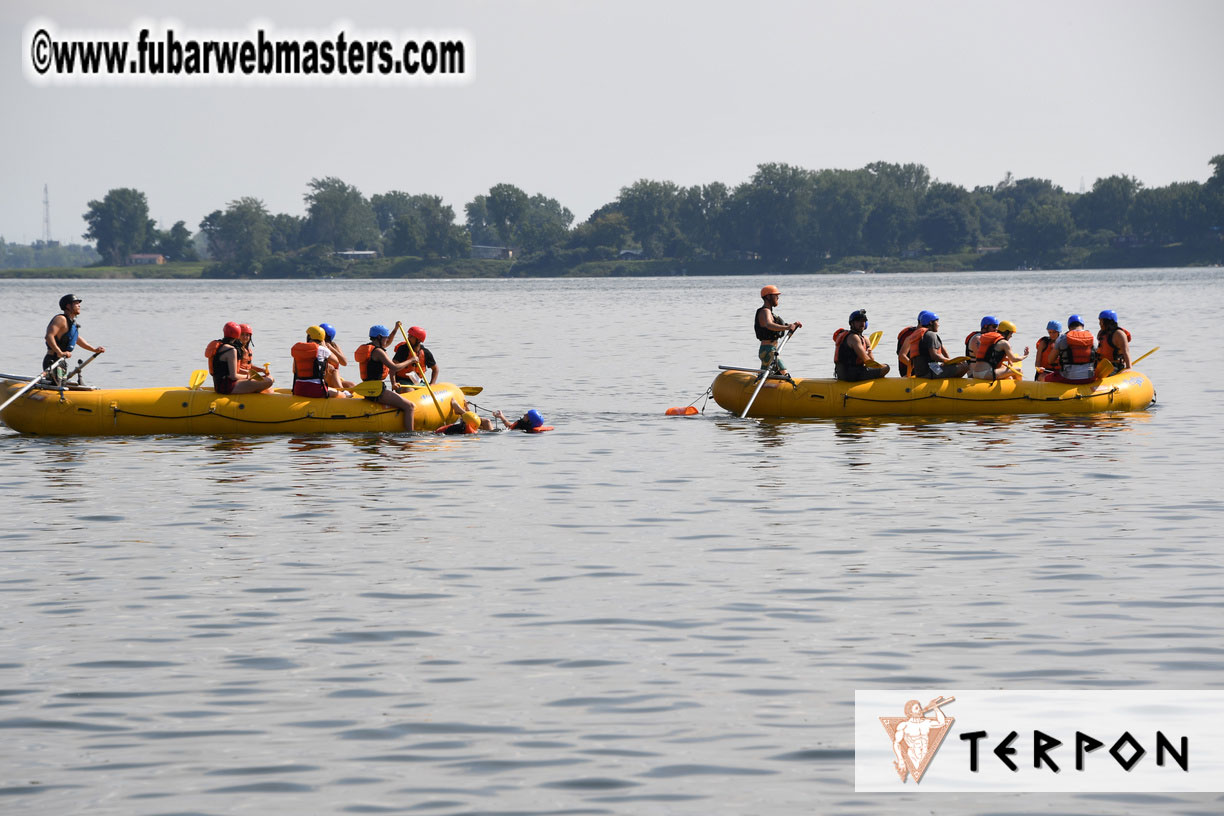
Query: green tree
{"type": "Point", "coordinates": [651, 209]}
{"type": "Point", "coordinates": [338, 215]}
{"type": "Point", "coordinates": [177, 244]}
{"type": "Point", "coordinates": [772, 213]}
{"type": "Point", "coordinates": [286, 233]}
{"type": "Point", "coordinates": [119, 223]}
{"type": "Point", "coordinates": [240, 236]}
{"type": "Point", "coordinates": [424, 226]}
{"type": "Point", "coordinates": [479, 225]}
{"type": "Point", "coordinates": [504, 206]}
{"type": "Point", "coordinates": [1178, 212]}
{"type": "Point", "coordinates": [1107, 206]}
{"type": "Point", "coordinates": [604, 235]}
{"type": "Point", "coordinates": [1041, 228]}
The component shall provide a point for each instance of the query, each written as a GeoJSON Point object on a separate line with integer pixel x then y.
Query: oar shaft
{"type": "Point", "coordinates": [60, 363]}
{"type": "Point", "coordinates": [761, 384]}
{"type": "Point", "coordinates": [424, 379]}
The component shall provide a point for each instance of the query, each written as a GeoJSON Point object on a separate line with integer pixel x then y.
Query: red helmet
{"type": "Point", "coordinates": [417, 334]}
{"type": "Point", "coordinates": [246, 328]}
{"type": "Point", "coordinates": [231, 329]}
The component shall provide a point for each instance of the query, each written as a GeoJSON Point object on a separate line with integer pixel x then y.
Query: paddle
{"type": "Point", "coordinates": [873, 339]}
{"type": "Point", "coordinates": [1153, 351]}
{"type": "Point", "coordinates": [60, 363]}
{"type": "Point", "coordinates": [197, 379]}
{"type": "Point", "coordinates": [1103, 367]}
{"type": "Point", "coordinates": [471, 390]}
{"type": "Point", "coordinates": [765, 374]}
{"type": "Point", "coordinates": [421, 368]}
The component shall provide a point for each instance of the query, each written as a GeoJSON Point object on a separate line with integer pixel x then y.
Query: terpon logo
{"type": "Point", "coordinates": [1055, 741]}
{"type": "Point", "coordinates": [916, 737]}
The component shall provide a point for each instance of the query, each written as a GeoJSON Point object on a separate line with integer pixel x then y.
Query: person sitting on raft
{"type": "Point", "coordinates": [852, 357]}
{"type": "Point", "coordinates": [1113, 341]}
{"type": "Point", "coordinates": [904, 349]}
{"type": "Point", "coordinates": [994, 353]}
{"type": "Point", "coordinates": [769, 330]}
{"type": "Point", "coordinates": [989, 323]}
{"type": "Point", "coordinates": [332, 375]}
{"type": "Point", "coordinates": [311, 360]}
{"type": "Point", "coordinates": [376, 364]}
{"type": "Point", "coordinates": [424, 359]}
{"type": "Point", "coordinates": [248, 353]}
{"type": "Point", "coordinates": [1075, 355]}
{"type": "Point", "coordinates": [1047, 351]}
{"type": "Point", "coordinates": [928, 356]}
{"type": "Point", "coordinates": [223, 356]}
{"type": "Point", "coordinates": [63, 333]}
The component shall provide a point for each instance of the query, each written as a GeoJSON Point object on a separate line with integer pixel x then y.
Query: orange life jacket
{"type": "Point", "coordinates": [986, 351]}
{"type": "Point", "coordinates": [230, 371]}
{"type": "Point", "coordinates": [1105, 349]}
{"type": "Point", "coordinates": [306, 362]}
{"type": "Point", "coordinates": [1047, 354]}
{"type": "Point", "coordinates": [401, 355]}
{"type": "Point", "coordinates": [838, 336]}
{"type": "Point", "coordinates": [244, 359]}
{"type": "Point", "coordinates": [1079, 348]}
{"type": "Point", "coordinates": [370, 369]}
{"type": "Point", "coordinates": [969, 352]}
{"type": "Point", "coordinates": [907, 345]}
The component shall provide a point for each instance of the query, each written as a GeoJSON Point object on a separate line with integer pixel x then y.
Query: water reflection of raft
{"type": "Point", "coordinates": [134, 411]}
{"type": "Point", "coordinates": [894, 396]}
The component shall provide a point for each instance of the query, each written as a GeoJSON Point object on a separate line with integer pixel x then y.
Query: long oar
{"type": "Point", "coordinates": [1106, 368]}
{"type": "Point", "coordinates": [421, 368]}
{"type": "Point", "coordinates": [62, 362]}
{"type": "Point", "coordinates": [765, 374]}
{"type": "Point", "coordinates": [1153, 351]}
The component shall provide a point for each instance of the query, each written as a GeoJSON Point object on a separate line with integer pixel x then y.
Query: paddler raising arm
{"type": "Point", "coordinates": [770, 329]}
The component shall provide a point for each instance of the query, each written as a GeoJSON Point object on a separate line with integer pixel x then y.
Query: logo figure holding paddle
{"type": "Point", "coordinates": [916, 737]}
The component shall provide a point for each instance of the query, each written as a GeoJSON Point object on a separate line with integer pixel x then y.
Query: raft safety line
{"type": "Point", "coordinates": [119, 411]}
{"type": "Point", "coordinates": [847, 397]}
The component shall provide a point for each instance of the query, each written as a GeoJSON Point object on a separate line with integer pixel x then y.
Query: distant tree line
{"type": "Point", "coordinates": [44, 254]}
{"type": "Point", "coordinates": [785, 215]}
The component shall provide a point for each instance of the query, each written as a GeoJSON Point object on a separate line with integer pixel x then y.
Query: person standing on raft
{"type": "Point", "coordinates": [852, 353]}
{"type": "Point", "coordinates": [376, 364]}
{"type": "Point", "coordinates": [63, 333]}
{"type": "Point", "coordinates": [770, 329]}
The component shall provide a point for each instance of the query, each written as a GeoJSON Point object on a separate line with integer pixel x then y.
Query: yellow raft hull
{"type": "Point", "coordinates": [1125, 391]}
{"type": "Point", "coordinates": [136, 411]}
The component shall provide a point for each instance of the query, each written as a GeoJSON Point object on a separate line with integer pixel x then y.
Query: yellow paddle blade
{"type": "Point", "coordinates": [471, 390]}
{"type": "Point", "coordinates": [197, 379]}
{"type": "Point", "coordinates": [873, 364]}
{"type": "Point", "coordinates": [368, 388]}
{"type": "Point", "coordinates": [961, 359]}
{"type": "Point", "coordinates": [873, 339]}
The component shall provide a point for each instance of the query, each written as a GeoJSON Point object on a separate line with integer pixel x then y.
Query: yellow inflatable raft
{"type": "Point", "coordinates": [893, 396]}
{"type": "Point", "coordinates": [133, 411]}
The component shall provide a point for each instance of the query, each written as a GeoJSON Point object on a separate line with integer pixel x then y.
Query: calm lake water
{"type": "Point", "coordinates": [633, 614]}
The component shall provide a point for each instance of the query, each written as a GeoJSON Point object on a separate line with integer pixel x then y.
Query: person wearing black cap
{"type": "Point", "coordinates": [852, 359]}
{"type": "Point", "coordinates": [63, 333]}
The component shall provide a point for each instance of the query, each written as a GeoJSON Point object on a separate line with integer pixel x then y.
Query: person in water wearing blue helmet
{"type": "Point", "coordinates": [376, 364]}
{"type": "Point", "coordinates": [332, 376]}
{"type": "Point", "coordinates": [929, 359]}
{"type": "Point", "coordinates": [530, 422]}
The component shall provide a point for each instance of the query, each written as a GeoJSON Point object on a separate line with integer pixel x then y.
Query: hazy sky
{"type": "Point", "coordinates": [578, 99]}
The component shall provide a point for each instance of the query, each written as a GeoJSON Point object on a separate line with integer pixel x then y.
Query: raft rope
{"type": "Point", "coordinates": [847, 397]}
{"type": "Point", "coordinates": [367, 415]}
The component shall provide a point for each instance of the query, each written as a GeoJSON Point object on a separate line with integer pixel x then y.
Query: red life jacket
{"type": "Point", "coordinates": [986, 351]}
{"type": "Point", "coordinates": [370, 369]}
{"type": "Point", "coordinates": [1079, 348]}
{"type": "Point", "coordinates": [1047, 354]}
{"type": "Point", "coordinates": [1105, 349]}
{"type": "Point", "coordinates": [306, 362]}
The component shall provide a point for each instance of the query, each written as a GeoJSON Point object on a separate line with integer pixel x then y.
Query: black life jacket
{"type": "Point", "coordinates": [763, 334]}
{"type": "Point", "coordinates": [224, 367]}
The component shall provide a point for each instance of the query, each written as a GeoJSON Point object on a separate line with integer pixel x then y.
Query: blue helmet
{"type": "Point", "coordinates": [858, 314]}
{"type": "Point", "coordinates": [1074, 320]}
{"type": "Point", "coordinates": [989, 320]}
{"type": "Point", "coordinates": [925, 318]}
{"type": "Point", "coordinates": [379, 331]}
{"type": "Point", "coordinates": [1054, 325]}
{"type": "Point", "coordinates": [534, 419]}
{"type": "Point", "coordinates": [329, 331]}
{"type": "Point", "coordinates": [1110, 315]}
